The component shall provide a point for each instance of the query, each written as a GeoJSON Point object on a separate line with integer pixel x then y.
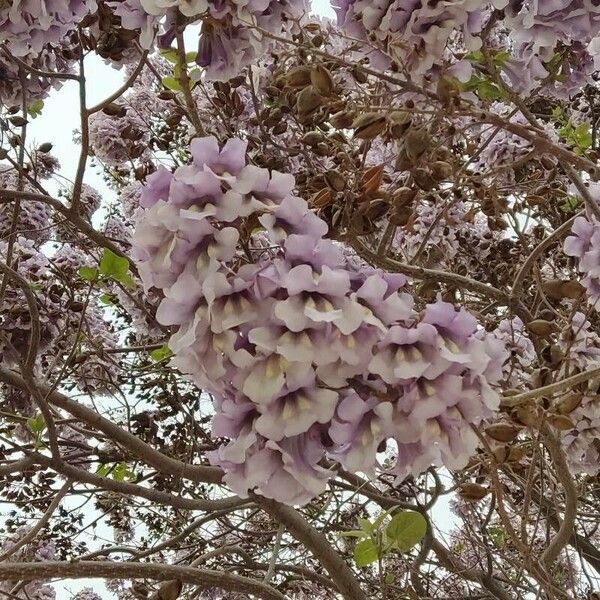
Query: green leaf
{"type": "Point", "coordinates": [406, 529]}
{"type": "Point", "coordinates": [88, 273]}
{"type": "Point", "coordinates": [357, 533]}
{"type": "Point", "coordinates": [365, 525]}
{"type": "Point", "coordinates": [498, 536]}
{"type": "Point", "coordinates": [484, 88]}
{"type": "Point", "coordinates": [36, 424]}
{"type": "Point", "coordinates": [122, 472]}
{"type": "Point", "coordinates": [107, 299]}
{"type": "Point", "coordinates": [113, 265]}
{"type": "Point", "coordinates": [103, 470]}
{"type": "Point", "coordinates": [190, 57]}
{"type": "Point", "coordinates": [570, 204]}
{"type": "Point", "coordinates": [476, 56]}
{"type": "Point", "coordinates": [161, 353]}
{"type": "Point", "coordinates": [365, 553]}
{"type": "Point", "coordinates": [379, 520]}
{"type": "Point", "coordinates": [171, 83]}
{"type": "Point", "coordinates": [35, 108]}
{"type": "Point", "coordinates": [500, 58]}
{"type": "Point", "coordinates": [116, 267]}
{"type": "Point", "coordinates": [170, 54]}
{"type": "Point", "coordinates": [583, 136]}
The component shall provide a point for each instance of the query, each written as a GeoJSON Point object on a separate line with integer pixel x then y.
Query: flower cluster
{"type": "Point", "coordinates": [230, 38]}
{"type": "Point", "coordinates": [33, 218]}
{"type": "Point", "coordinates": [35, 551]}
{"type": "Point", "coordinates": [36, 87]}
{"type": "Point", "coordinates": [118, 139]}
{"type": "Point", "coordinates": [27, 27]}
{"type": "Point", "coordinates": [414, 33]}
{"type": "Point", "coordinates": [306, 356]}
{"type": "Point", "coordinates": [15, 319]}
{"type": "Point", "coordinates": [584, 244]}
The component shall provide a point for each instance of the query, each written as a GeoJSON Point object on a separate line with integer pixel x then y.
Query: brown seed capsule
{"type": "Point", "coordinates": [308, 101]}
{"type": "Point", "coordinates": [558, 289]}
{"type": "Point", "coordinates": [322, 80]}
{"type": "Point", "coordinates": [404, 196]}
{"type": "Point", "coordinates": [401, 215]}
{"type": "Point", "coordinates": [298, 77]}
{"type": "Point", "coordinates": [312, 138]}
{"type": "Point", "coordinates": [424, 179]}
{"type": "Point", "coordinates": [371, 180]}
{"type": "Point", "coordinates": [441, 170]}
{"type": "Point", "coordinates": [472, 492]}
{"type": "Point", "coordinates": [516, 453]}
{"type": "Point", "coordinates": [335, 181]}
{"type": "Point", "coordinates": [526, 415]}
{"type": "Point", "coordinates": [561, 422]}
{"type": "Point", "coordinates": [115, 110]}
{"type": "Point", "coordinates": [322, 198]}
{"type": "Point", "coordinates": [368, 126]}
{"type": "Point", "coordinates": [342, 119]}
{"type": "Point", "coordinates": [541, 327]}
{"type": "Point", "coordinates": [502, 432]}
{"type": "Point", "coordinates": [359, 74]}
{"type": "Point", "coordinates": [567, 404]}
{"type": "Point", "coordinates": [376, 209]}
{"type": "Point", "coordinates": [416, 141]}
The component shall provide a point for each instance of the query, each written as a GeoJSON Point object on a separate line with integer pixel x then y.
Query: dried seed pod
{"type": "Point", "coordinates": [404, 196]}
{"type": "Point", "coordinates": [541, 327]}
{"type": "Point", "coordinates": [322, 198]}
{"type": "Point", "coordinates": [567, 404]}
{"type": "Point", "coordinates": [472, 492]}
{"type": "Point", "coordinates": [308, 101]}
{"type": "Point", "coordinates": [298, 77]}
{"type": "Point", "coordinates": [371, 180]}
{"type": "Point", "coordinates": [441, 170]}
{"type": "Point", "coordinates": [416, 141]}
{"type": "Point", "coordinates": [115, 110]}
{"type": "Point", "coordinates": [322, 80]}
{"type": "Point", "coordinates": [342, 119]}
{"type": "Point", "coordinates": [424, 179]}
{"type": "Point", "coordinates": [558, 289]}
{"type": "Point", "coordinates": [335, 180]}
{"type": "Point", "coordinates": [312, 138]}
{"type": "Point", "coordinates": [359, 74]}
{"type": "Point", "coordinates": [502, 432]}
{"type": "Point", "coordinates": [368, 126]}
{"type": "Point", "coordinates": [527, 415]}
{"type": "Point", "coordinates": [561, 422]}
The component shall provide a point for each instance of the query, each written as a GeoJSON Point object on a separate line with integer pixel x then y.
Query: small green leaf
{"type": "Point", "coordinates": [170, 54]}
{"type": "Point", "coordinates": [570, 204]}
{"type": "Point", "coordinates": [116, 267]}
{"type": "Point", "coordinates": [171, 83]}
{"type": "Point", "coordinates": [365, 525]}
{"type": "Point", "coordinates": [88, 273]}
{"type": "Point", "coordinates": [161, 353]}
{"type": "Point", "coordinates": [365, 553]}
{"type": "Point", "coordinates": [103, 470]}
{"type": "Point", "coordinates": [357, 533]}
{"type": "Point", "coordinates": [112, 264]}
{"type": "Point", "coordinates": [35, 108]}
{"type": "Point", "coordinates": [107, 299]}
{"type": "Point", "coordinates": [36, 424]}
{"type": "Point", "coordinates": [406, 529]}
{"type": "Point", "coordinates": [190, 56]}
{"type": "Point", "coordinates": [122, 472]}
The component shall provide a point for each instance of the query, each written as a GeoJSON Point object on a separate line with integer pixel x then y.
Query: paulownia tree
{"type": "Point", "coordinates": [330, 329]}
